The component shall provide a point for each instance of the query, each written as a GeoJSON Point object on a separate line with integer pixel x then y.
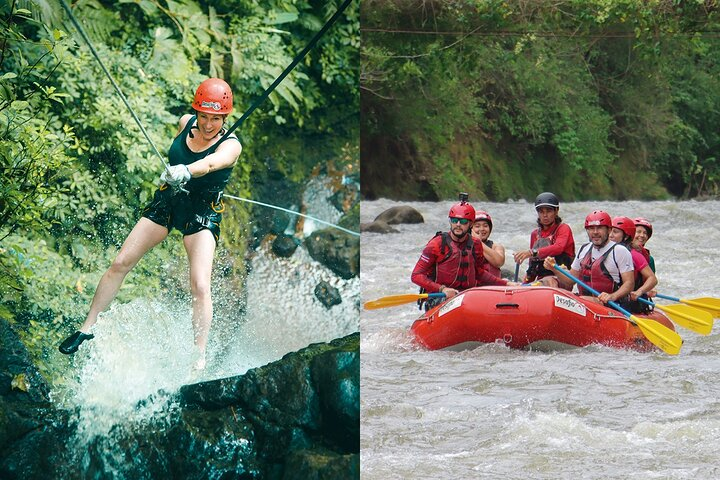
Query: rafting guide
{"type": "Point", "coordinates": [189, 200]}
{"type": "Point", "coordinates": [453, 261]}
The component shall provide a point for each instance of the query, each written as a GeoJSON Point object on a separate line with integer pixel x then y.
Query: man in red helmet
{"type": "Point", "coordinates": [453, 261]}
{"type": "Point", "coordinates": [190, 200]}
{"type": "Point", "coordinates": [601, 264]}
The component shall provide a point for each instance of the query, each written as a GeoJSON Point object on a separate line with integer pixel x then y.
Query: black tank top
{"type": "Point", "coordinates": [180, 153]}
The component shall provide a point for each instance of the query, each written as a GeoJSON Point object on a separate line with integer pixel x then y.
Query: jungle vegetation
{"type": "Point", "coordinates": [75, 171]}
{"type": "Point", "coordinates": [595, 99]}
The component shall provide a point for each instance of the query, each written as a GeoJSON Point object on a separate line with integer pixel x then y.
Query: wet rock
{"type": "Point", "coordinates": [401, 214]}
{"type": "Point", "coordinates": [327, 294]}
{"type": "Point", "coordinates": [298, 417]}
{"type": "Point", "coordinates": [20, 381]}
{"type": "Point", "coordinates": [351, 220]}
{"type": "Point", "coordinates": [337, 250]}
{"type": "Point", "coordinates": [378, 226]}
{"type": "Point", "coordinates": [30, 428]}
{"type": "Point", "coordinates": [284, 246]}
{"type": "Point", "coordinates": [305, 406]}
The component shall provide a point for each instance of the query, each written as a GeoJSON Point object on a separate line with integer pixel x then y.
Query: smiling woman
{"type": "Point", "coordinates": [189, 200]}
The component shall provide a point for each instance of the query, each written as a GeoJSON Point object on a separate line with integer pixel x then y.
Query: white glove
{"type": "Point", "coordinates": [175, 175]}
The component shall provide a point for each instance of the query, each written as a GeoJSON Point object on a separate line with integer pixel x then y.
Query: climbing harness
{"type": "Point", "coordinates": [244, 116]}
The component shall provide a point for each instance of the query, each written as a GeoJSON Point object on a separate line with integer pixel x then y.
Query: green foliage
{"type": "Point", "coordinates": [565, 93]}
{"type": "Point", "coordinates": [76, 169]}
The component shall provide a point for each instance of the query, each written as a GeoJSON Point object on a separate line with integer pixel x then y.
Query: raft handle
{"type": "Point", "coordinates": [507, 305]}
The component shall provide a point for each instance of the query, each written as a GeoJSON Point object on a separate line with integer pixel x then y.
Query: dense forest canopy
{"type": "Point", "coordinates": [75, 168]}
{"type": "Point", "coordinates": [504, 99]}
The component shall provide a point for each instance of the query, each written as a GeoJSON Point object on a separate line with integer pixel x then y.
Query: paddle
{"type": "Point", "coordinates": [706, 303]}
{"type": "Point", "coordinates": [517, 271]}
{"type": "Point", "coordinates": [659, 335]}
{"type": "Point", "coordinates": [394, 300]}
{"type": "Point", "coordinates": [693, 318]}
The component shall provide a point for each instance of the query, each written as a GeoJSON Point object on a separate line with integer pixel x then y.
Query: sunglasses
{"type": "Point", "coordinates": [461, 221]}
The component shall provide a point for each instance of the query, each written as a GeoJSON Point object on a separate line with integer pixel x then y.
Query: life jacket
{"type": "Point", "coordinates": [595, 274]}
{"type": "Point", "coordinates": [489, 267]}
{"type": "Point", "coordinates": [456, 268]}
{"type": "Point", "coordinates": [536, 269]}
{"type": "Point", "coordinates": [447, 268]}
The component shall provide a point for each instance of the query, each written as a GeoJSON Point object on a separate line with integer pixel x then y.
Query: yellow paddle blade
{"type": "Point", "coordinates": [708, 303]}
{"type": "Point", "coordinates": [659, 335]}
{"type": "Point", "coordinates": [689, 317]}
{"type": "Point", "coordinates": [394, 300]}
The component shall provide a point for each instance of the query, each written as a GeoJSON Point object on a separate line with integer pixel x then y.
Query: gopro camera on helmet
{"type": "Point", "coordinates": [463, 197]}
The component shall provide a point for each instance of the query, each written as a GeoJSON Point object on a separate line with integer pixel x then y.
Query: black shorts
{"type": "Point", "coordinates": [188, 213]}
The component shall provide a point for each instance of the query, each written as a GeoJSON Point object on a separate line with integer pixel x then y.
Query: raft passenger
{"type": "Point", "coordinates": [493, 252]}
{"type": "Point", "coordinates": [453, 261]}
{"type": "Point", "coordinates": [623, 233]}
{"type": "Point", "coordinates": [643, 232]}
{"type": "Point", "coordinates": [552, 238]}
{"type": "Point", "coordinates": [601, 264]}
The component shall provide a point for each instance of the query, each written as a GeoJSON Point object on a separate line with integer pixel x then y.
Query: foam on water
{"type": "Point", "coordinates": [143, 350]}
{"type": "Point", "coordinates": [493, 412]}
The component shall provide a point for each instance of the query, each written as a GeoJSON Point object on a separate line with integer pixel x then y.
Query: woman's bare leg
{"type": "Point", "coordinates": [144, 236]}
{"type": "Point", "coordinates": [200, 249]}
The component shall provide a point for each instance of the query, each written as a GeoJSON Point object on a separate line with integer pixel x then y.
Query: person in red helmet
{"type": "Point", "coordinates": [643, 232]}
{"type": "Point", "coordinates": [552, 238]}
{"type": "Point", "coordinates": [493, 252]}
{"type": "Point", "coordinates": [190, 200]}
{"type": "Point", "coordinates": [623, 233]}
{"type": "Point", "coordinates": [601, 264]}
{"type": "Point", "coordinates": [453, 261]}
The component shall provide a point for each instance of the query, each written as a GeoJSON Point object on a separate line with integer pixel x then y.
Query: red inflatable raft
{"type": "Point", "coordinates": [541, 318]}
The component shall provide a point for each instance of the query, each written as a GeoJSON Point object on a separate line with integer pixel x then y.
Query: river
{"type": "Point", "coordinates": [492, 412]}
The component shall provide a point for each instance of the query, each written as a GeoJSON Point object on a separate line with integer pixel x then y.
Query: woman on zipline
{"type": "Point", "coordinates": [190, 200]}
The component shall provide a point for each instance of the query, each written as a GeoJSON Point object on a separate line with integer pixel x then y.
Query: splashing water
{"type": "Point", "coordinates": [143, 350]}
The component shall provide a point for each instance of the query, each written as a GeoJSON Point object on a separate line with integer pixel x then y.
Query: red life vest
{"type": "Point", "coordinates": [595, 274]}
{"type": "Point", "coordinates": [536, 270]}
{"type": "Point", "coordinates": [457, 268]}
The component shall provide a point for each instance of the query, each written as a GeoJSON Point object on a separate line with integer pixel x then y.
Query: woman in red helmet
{"type": "Point", "coordinates": [602, 264]}
{"type": "Point", "coordinates": [453, 261]}
{"type": "Point", "coordinates": [643, 232]}
{"type": "Point", "coordinates": [623, 233]}
{"type": "Point", "coordinates": [190, 200]}
{"type": "Point", "coordinates": [493, 252]}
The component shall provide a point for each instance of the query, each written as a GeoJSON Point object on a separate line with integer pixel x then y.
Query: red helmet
{"type": "Point", "coordinates": [598, 218]}
{"type": "Point", "coordinates": [484, 216]}
{"type": "Point", "coordinates": [213, 96]}
{"type": "Point", "coordinates": [462, 210]}
{"type": "Point", "coordinates": [643, 222]}
{"type": "Point", "coordinates": [626, 225]}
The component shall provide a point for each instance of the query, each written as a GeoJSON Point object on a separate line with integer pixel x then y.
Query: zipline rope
{"type": "Point", "coordinates": [244, 116]}
{"type": "Point", "coordinates": [295, 213]}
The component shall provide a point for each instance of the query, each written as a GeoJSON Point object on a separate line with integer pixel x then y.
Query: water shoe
{"type": "Point", "coordinates": [71, 344]}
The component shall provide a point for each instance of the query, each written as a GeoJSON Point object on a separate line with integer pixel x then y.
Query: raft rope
{"type": "Point", "coordinates": [244, 116]}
